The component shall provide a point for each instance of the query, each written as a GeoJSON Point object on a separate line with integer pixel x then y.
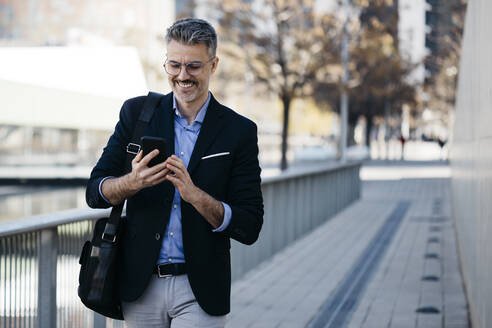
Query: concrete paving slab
{"type": "Point", "coordinates": [289, 289]}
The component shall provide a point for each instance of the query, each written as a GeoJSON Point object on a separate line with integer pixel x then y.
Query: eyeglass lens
{"type": "Point", "coordinates": [193, 68]}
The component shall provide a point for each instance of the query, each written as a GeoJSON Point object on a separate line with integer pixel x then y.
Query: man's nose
{"type": "Point", "coordinates": [183, 73]}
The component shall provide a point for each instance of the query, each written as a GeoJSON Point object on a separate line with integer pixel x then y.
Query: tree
{"type": "Point", "coordinates": [378, 74]}
{"type": "Point", "coordinates": [382, 79]}
{"type": "Point", "coordinates": [381, 70]}
{"type": "Point", "coordinates": [287, 45]}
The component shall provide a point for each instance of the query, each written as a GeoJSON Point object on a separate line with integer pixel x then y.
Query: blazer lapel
{"type": "Point", "coordinates": [212, 125]}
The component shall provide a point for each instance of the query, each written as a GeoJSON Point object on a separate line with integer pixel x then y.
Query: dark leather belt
{"type": "Point", "coordinates": [169, 269]}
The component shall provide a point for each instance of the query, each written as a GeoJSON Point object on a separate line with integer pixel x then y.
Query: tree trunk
{"type": "Point", "coordinates": [368, 130]}
{"type": "Point", "coordinates": [286, 100]}
{"type": "Point", "coordinates": [350, 134]}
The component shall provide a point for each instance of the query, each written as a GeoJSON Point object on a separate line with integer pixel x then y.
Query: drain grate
{"type": "Point", "coordinates": [430, 278]}
{"type": "Point", "coordinates": [428, 310]}
{"type": "Point", "coordinates": [336, 311]}
{"type": "Point", "coordinates": [434, 229]}
{"type": "Point", "coordinates": [433, 240]}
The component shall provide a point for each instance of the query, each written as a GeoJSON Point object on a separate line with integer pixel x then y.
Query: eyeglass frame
{"type": "Point", "coordinates": [186, 65]}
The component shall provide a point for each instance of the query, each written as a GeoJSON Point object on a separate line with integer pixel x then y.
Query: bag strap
{"type": "Point", "coordinates": [151, 102]}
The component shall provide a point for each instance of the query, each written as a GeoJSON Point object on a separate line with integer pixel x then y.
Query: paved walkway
{"type": "Point", "coordinates": [389, 260]}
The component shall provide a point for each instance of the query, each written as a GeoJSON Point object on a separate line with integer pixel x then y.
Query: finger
{"type": "Point", "coordinates": [137, 158]}
{"type": "Point", "coordinates": [176, 161]}
{"type": "Point", "coordinates": [149, 173]}
{"type": "Point", "coordinates": [158, 177]}
{"type": "Point", "coordinates": [161, 179]}
{"type": "Point", "coordinates": [178, 165]}
{"type": "Point", "coordinates": [157, 168]}
{"type": "Point", "coordinates": [174, 180]}
{"type": "Point", "coordinates": [149, 156]}
{"type": "Point", "coordinates": [174, 169]}
{"type": "Point", "coordinates": [155, 178]}
{"type": "Point", "coordinates": [175, 157]}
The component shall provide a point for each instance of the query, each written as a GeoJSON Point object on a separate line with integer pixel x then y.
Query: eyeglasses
{"type": "Point", "coordinates": [193, 68]}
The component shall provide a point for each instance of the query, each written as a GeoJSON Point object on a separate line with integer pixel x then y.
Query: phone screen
{"type": "Point", "coordinates": [151, 143]}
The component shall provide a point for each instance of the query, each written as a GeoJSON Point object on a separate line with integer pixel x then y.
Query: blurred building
{"type": "Point", "coordinates": [59, 104]}
{"type": "Point", "coordinates": [444, 21]}
{"type": "Point", "coordinates": [421, 25]}
{"type": "Point", "coordinates": [433, 21]}
{"type": "Point", "coordinates": [138, 23]}
{"type": "Point", "coordinates": [411, 33]}
{"type": "Point", "coordinates": [66, 68]}
{"type": "Point", "coordinates": [444, 25]}
{"type": "Point", "coordinates": [185, 8]}
{"type": "Point", "coordinates": [430, 35]}
{"type": "Point", "coordinates": [109, 24]}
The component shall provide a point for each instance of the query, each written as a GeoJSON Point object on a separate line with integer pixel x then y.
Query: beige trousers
{"type": "Point", "coordinates": [169, 303]}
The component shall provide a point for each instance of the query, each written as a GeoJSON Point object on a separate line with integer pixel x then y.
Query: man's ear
{"type": "Point", "coordinates": [215, 63]}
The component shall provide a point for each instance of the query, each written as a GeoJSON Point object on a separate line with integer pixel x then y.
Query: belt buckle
{"type": "Point", "coordinates": [162, 275]}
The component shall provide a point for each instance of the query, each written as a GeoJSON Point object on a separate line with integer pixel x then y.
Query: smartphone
{"type": "Point", "coordinates": [151, 143]}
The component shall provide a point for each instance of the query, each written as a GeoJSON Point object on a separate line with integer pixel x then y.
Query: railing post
{"type": "Point", "coordinates": [99, 320]}
{"type": "Point", "coordinates": [48, 244]}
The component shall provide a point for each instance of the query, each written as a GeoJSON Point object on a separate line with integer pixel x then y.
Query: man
{"type": "Point", "coordinates": [175, 268]}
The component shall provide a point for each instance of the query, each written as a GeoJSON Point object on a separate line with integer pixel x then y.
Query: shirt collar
{"type": "Point", "coordinates": [201, 113]}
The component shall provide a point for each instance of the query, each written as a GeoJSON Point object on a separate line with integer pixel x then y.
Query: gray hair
{"type": "Point", "coordinates": [193, 31]}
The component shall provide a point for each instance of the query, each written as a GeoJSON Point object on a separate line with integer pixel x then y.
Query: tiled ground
{"type": "Point", "coordinates": [290, 289]}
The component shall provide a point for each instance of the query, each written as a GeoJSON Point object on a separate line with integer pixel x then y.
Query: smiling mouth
{"type": "Point", "coordinates": [185, 84]}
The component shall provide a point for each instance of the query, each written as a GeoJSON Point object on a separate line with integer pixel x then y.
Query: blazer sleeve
{"type": "Point", "coordinates": [112, 160]}
{"type": "Point", "coordinates": [244, 190]}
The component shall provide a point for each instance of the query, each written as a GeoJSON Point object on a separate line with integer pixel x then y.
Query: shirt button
{"type": "Point", "coordinates": [157, 236]}
{"type": "Point", "coordinates": [182, 153]}
{"type": "Point", "coordinates": [171, 233]}
{"type": "Point", "coordinates": [170, 259]}
{"type": "Point", "coordinates": [175, 206]}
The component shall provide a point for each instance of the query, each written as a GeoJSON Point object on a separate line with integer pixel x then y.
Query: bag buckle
{"type": "Point", "coordinates": [133, 148]}
{"type": "Point", "coordinates": [95, 251]}
{"type": "Point", "coordinates": [108, 237]}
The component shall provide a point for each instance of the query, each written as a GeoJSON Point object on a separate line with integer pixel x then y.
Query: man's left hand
{"type": "Point", "coordinates": [181, 179]}
{"type": "Point", "coordinates": [210, 208]}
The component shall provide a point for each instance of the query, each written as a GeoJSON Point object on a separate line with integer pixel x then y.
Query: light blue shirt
{"type": "Point", "coordinates": [185, 137]}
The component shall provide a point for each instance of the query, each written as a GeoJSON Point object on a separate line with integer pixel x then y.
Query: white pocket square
{"type": "Point", "coordinates": [215, 155]}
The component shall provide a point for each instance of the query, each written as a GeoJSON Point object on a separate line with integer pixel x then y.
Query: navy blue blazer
{"type": "Point", "coordinates": [233, 179]}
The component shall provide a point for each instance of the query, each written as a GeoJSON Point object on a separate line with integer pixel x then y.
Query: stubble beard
{"type": "Point", "coordinates": [183, 96]}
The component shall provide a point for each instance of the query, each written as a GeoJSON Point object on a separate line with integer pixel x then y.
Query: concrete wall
{"type": "Point", "coordinates": [471, 158]}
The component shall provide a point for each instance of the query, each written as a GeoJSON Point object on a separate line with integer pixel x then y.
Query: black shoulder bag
{"type": "Point", "coordinates": [98, 278]}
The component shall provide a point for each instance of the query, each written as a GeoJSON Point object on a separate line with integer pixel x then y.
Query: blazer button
{"type": "Point", "coordinates": [157, 236]}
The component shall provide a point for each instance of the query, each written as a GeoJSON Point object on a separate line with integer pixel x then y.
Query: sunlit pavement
{"type": "Point", "coordinates": [388, 260]}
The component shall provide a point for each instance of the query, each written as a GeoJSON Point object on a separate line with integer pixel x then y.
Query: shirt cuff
{"type": "Point", "coordinates": [100, 189]}
{"type": "Point", "coordinates": [227, 218]}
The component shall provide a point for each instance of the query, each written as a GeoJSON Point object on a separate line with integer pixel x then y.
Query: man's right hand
{"type": "Point", "coordinates": [116, 190]}
{"type": "Point", "coordinates": [143, 176]}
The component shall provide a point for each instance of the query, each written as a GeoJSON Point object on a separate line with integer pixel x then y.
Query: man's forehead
{"type": "Point", "coordinates": [190, 51]}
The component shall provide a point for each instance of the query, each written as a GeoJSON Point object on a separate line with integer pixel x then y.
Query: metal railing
{"type": "Point", "coordinates": [39, 255]}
